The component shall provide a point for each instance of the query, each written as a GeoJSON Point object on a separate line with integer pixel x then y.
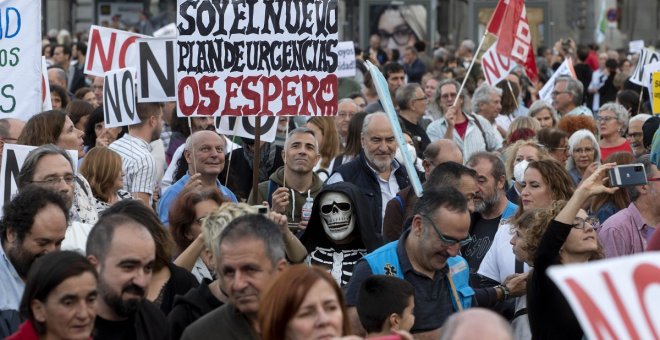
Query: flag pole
{"type": "Point", "coordinates": [467, 73]}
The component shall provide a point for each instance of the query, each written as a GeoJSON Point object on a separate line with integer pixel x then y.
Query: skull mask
{"type": "Point", "coordinates": [337, 215]}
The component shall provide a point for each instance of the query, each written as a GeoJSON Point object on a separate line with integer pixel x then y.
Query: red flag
{"type": "Point", "coordinates": [510, 21]}
{"type": "Point", "coordinates": [496, 20]}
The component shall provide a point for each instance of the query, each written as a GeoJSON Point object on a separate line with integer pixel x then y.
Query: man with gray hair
{"type": "Point", "coordinates": [251, 254]}
{"type": "Point", "coordinates": [375, 170]}
{"type": "Point", "coordinates": [412, 100]}
{"type": "Point", "coordinates": [635, 134]}
{"type": "Point", "coordinates": [476, 324]}
{"type": "Point", "coordinates": [346, 109]}
{"type": "Point", "coordinates": [567, 97]}
{"type": "Point", "coordinates": [57, 76]}
{"type": "Point", "coordinates": [51, 167]}
{"type": "Point", "coordinates": [205, 156]}
{"type": "Point", "coordinates": [628, 231]}
{"type": "Point", "coordinates": [487, 102]}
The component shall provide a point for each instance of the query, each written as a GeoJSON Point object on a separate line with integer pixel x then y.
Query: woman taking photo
{"type": "Point", "coordinates": [585, 155]}
{"type": "Point", "coordinates": [102, 168]}
{"type": "Point", "coordinates": [59, 301]}
{"type": "Point", "coordinates": [303, 303]}
{"type": "Point", "coordinates": [570, 238]}
{"type": "Point", "coordinates": [604, 205]}
{"type": "Point", "coordinates": [612, 124]}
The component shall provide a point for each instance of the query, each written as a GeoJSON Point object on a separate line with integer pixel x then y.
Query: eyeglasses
{"type": "Point", "coordinates": [448, 240]}
{"type": "Point", "coordinates": [54, 180]}
{"type": "Point", "coordinates": [401, 36]}
{"type": "Point", "coordinates": [449, 95]}
{"type": "Point", "coordinates": [584, 150]}
{"type": "Point", "coordinates": [344, 114]}
{"type": "Point", "coordinates": [581, 223]}
{"type": "Point", "coordinates": [420, 98]}
{"type": "Point", "coordinates": [604, 118]}
{"type": "Point", "coordinates": [556, 93]}
{"type": "Point", "coordinates": [653, 179]}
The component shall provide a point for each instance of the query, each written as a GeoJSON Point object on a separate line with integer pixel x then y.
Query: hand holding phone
{"type": "Point", "coordinates": [628, 175]}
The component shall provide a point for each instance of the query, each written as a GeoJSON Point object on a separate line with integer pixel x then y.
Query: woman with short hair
{"type": "Point", "coordinates": [102, 167]}
{"type": "Point", "coordinates": [585, 155]}
{"type": "Point", "coordinates": [612, 124]}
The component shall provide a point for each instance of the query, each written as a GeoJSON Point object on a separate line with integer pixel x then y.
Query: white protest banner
{"type": "Point", "coordinates": [346, 53]}
{"type": "Point", "coordinates": [565, 69]}
{"type": "Point", "coordinates": [386, 101]}
{"type": "Point", "coordinates": [110, 49]}
{"type": "Point", "coordinates": [646, 57]}
{"type": "Point", "coordinates": [167, 31]}
{"type": "Point", "coordinates": [495, 66]}
{"type": "Point", "coordinates": [246, 127]}
{"type": "Point", "coordinates": [257, 57]}
{"type": "Point", "coordinates": [648, 70]}
{"type": "Point", "coordinates": [20, 58]}
{"type": "Point", "coordinates": [13, 157]}
{"type": "Point", "coordinates": [614, 298]}
{"type": "Point", "coordinates": [156, 69]}
{"type": "Point", "coordinates": [46, 104]}
{"type": "Point", "coordinates": [119, 98]}
{"type": "Point", "coordinates": [635, 46]}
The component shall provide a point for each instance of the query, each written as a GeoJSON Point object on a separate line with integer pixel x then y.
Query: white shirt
{"type": "Point", "coordinates": [75, 237]}
{"type": "Point", "coordinates": [473, 140]}
{"type": "Point", "coordinates": [500, 261]}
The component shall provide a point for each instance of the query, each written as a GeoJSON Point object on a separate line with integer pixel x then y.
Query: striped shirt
{"type": "Point", "coordinates": [137, 162]}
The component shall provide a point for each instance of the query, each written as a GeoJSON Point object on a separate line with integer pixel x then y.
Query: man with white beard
{"type": "Point", "coordinates": [375, 171]}
{"type": "Point", "coordinates": [490, 203]}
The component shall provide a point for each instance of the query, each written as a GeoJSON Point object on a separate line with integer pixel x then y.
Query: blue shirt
{"type": "Point", "coordinates": [173, 191]}
{"type": "Point", "coordinates": [11, 284]}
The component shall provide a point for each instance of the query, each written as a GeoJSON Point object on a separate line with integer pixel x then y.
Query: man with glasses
{"type": "Point", "coordinates": [628, 231]}
{"type": "Point", "coordinates": [412, 105]}
{"type": "Point", "coordinates": [10, 129]}
{"type": "Point", "coordinates": [426, 255]}
{"type": "Point", "coordinates": [51, 167]}
{"type": "Point", "coordinates": [567, 97]}
{"type": "Point", "coordinates": [635, 134]}
{"type": "Point", "coordinates": [472, 133]}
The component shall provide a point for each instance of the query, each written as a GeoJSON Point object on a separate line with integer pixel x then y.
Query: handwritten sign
{"type": "Point", "coordinates": [119, 98]}
{"type": "Point", "coordinates": [20, 58]}
{"type": "Point", "coordinates": [110, 49]}
{"type": "Point", "coordinates": [496, 66]}
{"type": "Point", "coordinates": [655, 92]}
{"type": "Point", "coordinates": [156, 70]}
{"type": "Point", "coordinates": [615, 298]}
{"type": "Point", "coordinates": [246, 127]}
{"type": "Point", "coordinates": [257, 57]}
{"type": "Point", "coordinates": [646, 57]}
{"type": "Point", "coordinates": [346, 53]}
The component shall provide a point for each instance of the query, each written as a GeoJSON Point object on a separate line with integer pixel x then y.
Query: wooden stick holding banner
{"type": "Point", "coordinates": [513, 95]}
{"type": "Point", "coordinates": [467, 73]}
{"type": "Point", "coordinates": [386, 100]}
{"type": "Point", "coordinates": [256, 154]}
{"type": "Point", "coordinates": [286, 136]}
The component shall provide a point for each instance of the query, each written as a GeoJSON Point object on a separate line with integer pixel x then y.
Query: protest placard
{"type": "Point", "coordinates": [386, 100]}
{"type": "Point", "coordinates": [110, 49]}
{"type": "Point", "coordinates": [346, 53]}
{"type": "Point", "coordinates": [119, 98]}
{"type": "Point", "coordinates": [496, 66]}
{"type": "Point", "coordinates": [614, 298]}
{"type": "Point", "coordinates": [13, 157]}
{"type": "Point", "coordinates": [635, 46]}
{"type": "Point", "coordinates": [20, 58]}
{"type": "Point", "coordinates": [245, 127]}
{"type": "Point", "coordinates": [655, 92]}
{"type": "Point", "coordinates": [46, 104]}
{"type": "Point", "coordinates": [646, 57]}
{"type": "Point", "coordinates": [565, 69]}
{"type": "Point", "coordinates": [156, 69]}
{"type": "Point", "coordinates": [257, 57]}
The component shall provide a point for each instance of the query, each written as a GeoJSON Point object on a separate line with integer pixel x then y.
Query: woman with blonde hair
{"type": "Point", "coordinates": [328, 139]}
{"type": "Point", "coordinates": [519, 152]}
{"type": "Point", "coordinates": [522, 128]}
{"type": "Point", "coordinates": [102, 167]}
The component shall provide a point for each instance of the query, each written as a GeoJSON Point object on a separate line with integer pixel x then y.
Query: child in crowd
{"type": "Point", "coordinates": [385, 304]}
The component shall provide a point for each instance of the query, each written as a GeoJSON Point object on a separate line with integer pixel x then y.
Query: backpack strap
{"type": "Point", "coordinates": [399, 199]}
{"type": "Point", "coordinates": [476, 121]}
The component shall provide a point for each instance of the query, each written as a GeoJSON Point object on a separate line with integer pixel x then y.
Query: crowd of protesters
{"type": "Point", "coordinates": [159, 234]}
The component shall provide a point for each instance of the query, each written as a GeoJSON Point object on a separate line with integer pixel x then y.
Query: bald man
{"type": "Point", "coordinates": [10, 129]}
{"type": "Point", "coordinates": [400, 208]}
{"type": "Point", "coordinates": [476, 324]}
{"type": "Point", "coordinates": [57, 76]}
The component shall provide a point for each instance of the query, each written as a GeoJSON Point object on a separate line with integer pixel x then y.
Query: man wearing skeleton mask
{"type": "Point", "coordinates": [291, 184]}
{"type": "Point", "coordinates": [375, 171]}
{"type": "Point", "coordinates": [339, 234]}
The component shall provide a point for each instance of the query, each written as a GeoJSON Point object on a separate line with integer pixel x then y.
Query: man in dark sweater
{"type": "Point", "coordinates": [250, 255]}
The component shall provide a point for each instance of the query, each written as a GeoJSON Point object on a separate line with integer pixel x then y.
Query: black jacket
{"type": "Point", "coordinates": [358, 172]}
{"type": "Point", "coordinates": [190, 307]}
{"type": "Point", "coordinates": [314, 236]}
